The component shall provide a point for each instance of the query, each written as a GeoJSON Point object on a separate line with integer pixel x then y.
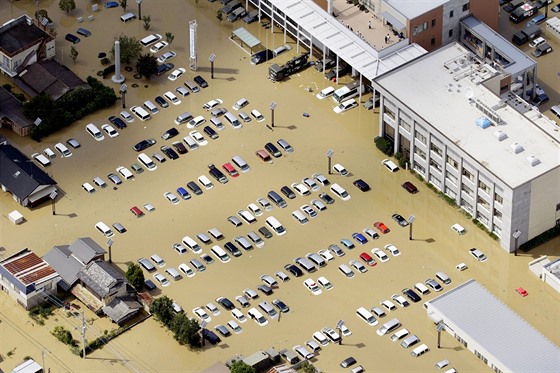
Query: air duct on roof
{"type": "Point", "coordinates": [500, 135]}
{"type": "Point", "coordinates": [517, 148]}
{"type": "Point", "coordinates": [483, 122]}
{"type": "Point", "coordinates": [532, 160]}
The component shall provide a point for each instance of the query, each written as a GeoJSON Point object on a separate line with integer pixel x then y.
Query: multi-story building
{"type": "Point", "coordinates": [445, 112]}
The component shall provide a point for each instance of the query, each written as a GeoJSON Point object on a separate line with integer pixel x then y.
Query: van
{"type": "Point", "coordinates": [94, 132]}
{"type": "Point", "coordinates": [410, 341]}
{"type": "Point", "coordinates": [340, 192]}
{"type": "Point", "coordinates": [442, 364]}
{"type": "Point", "coordinates": [285, 145]}
{"type": "Point", "coordinates": [128, 17]}
{"type": "Point", "coordinates": [255, 238]}
{"type": "Point", "coordinates": [183, 118]}
{"type": "Point", "coordinates": [147, 161]}
{"type": "Point", "coordinates": [193, 87]}
{"type": "Point", "coordinates": [205, 182]}
{"type": "Point", "coordinates": [217, 123]}
{"type": "Point", "coordinates": [459, 229]}
{"type": "Point", "coordinates": [191, 244]}
{"type": "Point", "coordinates": [104, 229]}
{"type": "Point", "coordinates": [422, 288]}
{"type": "Point", "coordinates": [63, 150]}
{"type": "Point", "coordinates": [214, 232]}
{"type": "Point", "coordinates": [146, 264]}
{"type": "Point", "coordinates": [150, 39]}
{"type": "Point", "coordinates": [244, 243]}
{"type": "Point", "coordinates": [350, 90]}
{"type": "Point", "coordinates": [151, 107]}
{"type": "Point", "coordinates": [175, 275]}
{"type": "Point", "coordinates": [555, 110]}
{"type": "Point", "coordinates": [358, 369]}
{"type": "Point", "coordinates": [49, 153]}
{"type": "Point", "coordinates": [247, 216]}
{"type": "Point", "coordinates": [303, 352]}
{"type": "Point", "coordinates": [400, 334]}
{"type": "Point", "coordinates": [275, 197]}
{"type": "Point", "coordinates": [443, 278]}
{"type": "Point", "coordinates": [305, 264]}
{"type": "Point", "coordinates": [541, 50]}
{"type": "Point", "coordinates": [366, 316]}
{"type": "Point", "coordinates": [389, 326]}
{"type": "Point", "coordinates": [316, 259]}
{"type": "Point", "coordinates": [41, 159]}
{"type": "Point", "coordinates": [290, 357]}
{"type": "Point", "coordinates": [220, 253]}
{"type": "Point", "coordinates": [267, 308]}
{"type": "Point", "coordinates": [190, 142]}
{"type": "Point", "coordinates": [241, 164]}
{"type": "Point", "coordinates": [275, 225]}
{"type": "Point", "coordinates": [140, 113]}
{"type": "Point", "coordinates": [346, 271]}
{"type": "Point", "coordinates": [199, 267]}
{"type": "Point", "coordinates": [88, 188]}
{"type": "Point", "coordinates": [232, 119]}
{"type": "Point", "coordinates": [298, 215]}
{"type": "Point", "coordinates": [244, 117]}
{"type": "Point", "coordinates": [99, 182]}
{"type": "Point", "coordinates": [536, 20]}
{"type": "Point", "coordinates": [420, 350]}
{"type": "Point", "coordinates": [158, 260]}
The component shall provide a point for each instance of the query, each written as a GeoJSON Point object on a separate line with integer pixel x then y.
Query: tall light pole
{"type": "Point", "coordinates": [516, 235]}
{"type": "Point", "coordinates": [273, 106]}
{"type": "Point", "coordinates": [330, 153]}
{"type": "Point", "coordinates": [139, 2]}
{"type": "Point", "coordinates": [211, 59]}
{"type": "Point", "coordinates": [123, 94]}
{"type": "Point", "coordinates": [411, 219]}
{"type": "Point", "coordinates": [202, 327]}
{"type": "Point", "coordinates": [53, 198]}
{"type": "Point", "coordinates": [109, 245]}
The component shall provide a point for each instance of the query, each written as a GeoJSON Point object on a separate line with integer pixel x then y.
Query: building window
{"type": "Point", "coordinates": [435, 181]}
{"type": "Point", "coordinates": [420, 152]}
{"type": "Point", "coordinates": [451, 193]}
{"type": "Point", "coordinates": [467, 174]}
{"type": "Point", "coordinates": [453, 163]}
{"type": "Point", "coordinates": [484, 187]}
{"type": "Point", "coordinates": [482, 202]}
{"type": "Point", "coordinates": [450, 33]}
{"type": "Point", "coordinates": [481, 218]}
{"type": "Point", "coordinates": [404, 125]}
{"type": "Point", "coordinates": [467, 190]}
{"type": "Point", "coordinates": [497, 230]}
{"type": "Point", "coordinates": [499, 199]}
{"type": "Point", "coordinates": [451, 14]}
{"type": "Point", "coordinates": [467, 206]}
{"type": "Point", "coordinates": [498, 214]}
{"type": "Point", "coordinates": [435, 165]}
{"type": "Point", "coordinates": [452, 178]}
{"type": "Point", "coordinates": [466, 7]}
{"type": "Point", "coordinates": [433, 41]}
{"type": "Point", "coordinates": [419, 168]}
{"type": "Point", "coordinates": [434, 22]}
{"type": "Point", "coordinates": [420, 137]}
{"type": "Point", "coordinates": [390, 113]}
{"type": "Point", "coordinates": [558, 207]}
{"type": "Point", "coordinates": [435, 149]}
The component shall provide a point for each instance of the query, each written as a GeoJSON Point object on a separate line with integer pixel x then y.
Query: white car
{"type": "Point", "coordinates": [478, 255]}
{"type": "Point", "coordinates": [461, 267]}
{"type": "Point", "coordinates": [186, 270]}
{"type": "Point", "coordinates": [166, 56]}
{"type": "Point", "coordinates": [241, 103]}
{"type": "Point", "coordinates": [212, 104]}
{"type": "Point", "coordinates": [333, 336]}
{"type": "Point", "coordinates": [172, 98]}
{"type": "Point", "coordinates": [359, 266]}
{"type": "Point", "coordinates": [176, 74]}
{"type": "Point", "coordinates": [182, 91]}
{"type": "Point", "coordinates": [109, 130]}
{"type": "Point", "coordinates": [201, 314]}
{"type": "Point", "coordinates": [312, 286]}
{"type": "Point", "coordinates": [309, 211]}
{"type": "Point", "coordinates": [200, 140]}
{"type": "Point", "coordinates": [400, 300]}
{"type": "Point", "coordinates": [339, 169]}
{"type": "Point", "coordinates": [301, 189]}
{"type": "Point", "coordinates": [125, 172]}
{"type": "Point", "coordinates": [257, 316]}
{"type": "Point", "coordinates": [239, 316]}
{"type": "Point", "coordinates": [380, 255]}
{"type": "Point", "coordinates": [234, 326]}
{"type": "Point", "coordinates": [212, 308]}
{"type": "Point", "coordinates": [318, 205]}
{"type": "Point", "coordinates": [158, 46]}
{"type": "Point", "coordinates": [171, 197]}
{"type": "Point", "coordinates": [265, 204]}
{"type": "Point", "coordinates": [392, 249]}
{"type": "Point", "coordinates": [320, 337]}
{"type": "Point", "coordinates": [321, 179]}
{"type": "Point", "coordinates": [257, 115]}
{"type": "Point", "coordinates": [326, 92]}
{"type": "Point", "coordinates": [371, 233]}
{"type": "Point", "coordinates": [127, 116]}
{"type": "Point", "coordinates": [345, 331]}
{"type": "Point", "coordinates": [254, 209]}
{"type": "Point", "coordinates": [161, 279]}
{"type": "Point", "coordinates": [345, 106]}
{"type": "Point", "coordinates": [390, 306]}
{"type": "Point", "coordinates": [325, 283]}
{"type": "Point", "coordinates": [196, 121]}
{"type": "Point", "coordinates": [326, 255]}
{"type": "Point", "coordinates": [310, 183]}
{"type": "Point", "coordinates": [390, 165]}
{"type": "Point", "coordinates": [250, 293]}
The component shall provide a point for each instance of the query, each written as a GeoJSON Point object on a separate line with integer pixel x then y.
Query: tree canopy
{"type": "Point", "coordinates": [239, 366]}
{"type": "Point", "coordinates": [130, 49]}
{"type": "Point", "coordinates": [135, 276]}
{"type": "Point", "coordinates": [67, 5]}
{"type": "Point", "coordinates": [147, 65]}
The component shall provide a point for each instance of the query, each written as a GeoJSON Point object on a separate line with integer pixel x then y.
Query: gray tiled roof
{"type": "Point", "coordinates": [122, 308]}
{"type": "Point", "coordinates": [61, 259]}
{"type": "Point", "coordinates": [101, 278]}
{"type": "Point", "coordinates": [85, 249]}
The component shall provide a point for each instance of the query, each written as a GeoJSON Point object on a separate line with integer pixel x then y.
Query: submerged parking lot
{"type": "Point", "coordinates": [435, 247]}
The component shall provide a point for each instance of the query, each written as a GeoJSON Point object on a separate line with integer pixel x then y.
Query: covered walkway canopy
{"type": "Point", "coordinates": [245, 38]}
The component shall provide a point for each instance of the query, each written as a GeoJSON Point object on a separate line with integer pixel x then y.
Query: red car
{"type": "Point", "coordinates": [230, 169]}
{"type": "Point", "coordinates": [137, 212]}
{"type": "Point", "coordinates": [522, 292]}
{"type": "Point", "coordinates": [367, 259]}
{"type": "Point", "coordinates": [381, 227]}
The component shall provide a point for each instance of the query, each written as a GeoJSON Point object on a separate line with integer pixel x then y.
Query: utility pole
{"type": "Point", "coordinates": [83, 336]}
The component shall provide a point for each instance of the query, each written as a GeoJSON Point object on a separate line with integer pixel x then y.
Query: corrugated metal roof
{"type": "Point", "coordinates": [497, 328]}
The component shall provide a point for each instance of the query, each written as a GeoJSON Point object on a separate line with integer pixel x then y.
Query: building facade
{"type": "Point", "coordinates": [499, 164]}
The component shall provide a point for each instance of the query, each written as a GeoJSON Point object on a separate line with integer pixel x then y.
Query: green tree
{"type": "Point", "coordinates": [219, 15]}
{"type": "Point", "coordinates": [185, 330]}
{"type": "Point", "coordinates": [67, 5]}
{"type": "Point", "coordinates": [147, 20]}
{"type": "Point", "coordinates": [130, 49]}
{"type": "Point", "coordinates": [162, 308]}
{"type": "Point", "coordinates": [135, 276]}
{"type": "Point", "coordinates": [123, 5]}
{"type": "Point", "coordinates": [63, 335]}
{"type": "Point", "coordinates": [169, 37]}
{"type": "Point", "coordinates": [306, 367]}
{"type": "Point", "coordinates": [42, 13]}
{"type": "Point", "coordinates": [239, 366]}
{"type": "Point", "coordinates": [147, 65]}
{"type": "Point", "coordinates": [73, 53]}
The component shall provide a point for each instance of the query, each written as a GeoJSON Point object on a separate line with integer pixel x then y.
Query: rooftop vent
{"type": "Point", "coordinates": [500, 135]}
{"type": "Point", "coordinates": [532, 160]}
{"type": "Point", "coordinates": [517, 148]}
{"type": "Point", "coordinates": [483, 122]}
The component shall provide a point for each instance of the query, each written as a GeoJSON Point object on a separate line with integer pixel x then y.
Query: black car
{"type": "Point", "coordinates": [230, 7]}
{"type": "Point", "coordinates": [226, 303]}
{"type": "Point", "coordinates": [172, 132]}
{"type": "Point", "coordinates": [342, 70]}
{"type": "Point", "coordinates": [326, 198]}
{"type": "Point", "coordinates": [410, 294]}
{"type": "Point", "coordinates": [194, 187]}
{"type": "Point", "coordinates": [210, 336]}
{"type": "Point", "coordinates": [329, 62]}
{"type": "Point", "coordinates": [170, 153]}
{"type": "Point", "coordinates": [149, 284]}
{"type": "Point", "coordinates": [164, 67]}
{"type": "Point", "coordinates": [265, 232]}
{"type": "Point", "coordinates": [179, 147]}
{"type": "Point", "coordinates": [118, 122]}
{"type": "Point", "coordinates": [272, 149]}
{"type": "Point", "coordinates": [349, 361]}
{"type": "Point", "coordinates": [72, 38]}
{"type": "Point", "coordinates": [294, 270]}
{"type": "Point", "coordinates": [217, 174]}
{"type": "Point", "coordinates": [200, 81]}
{"type": "Point", "coordinates": [83, 32]}
{"type": "Point", "coordinates": [281, 305]}
{"type": "Point", "coordinates": [144, 144]}
{"type": "Point", "coordinates": [210, 132]}
{"type": "Point", "coordinates": [399, 219]}
{"type": "Point", "coordinates": [288, 192]}
{"type": "Point", "coordinates": [262, 56]}
{"type": "Point", "coordinates": [251, 16]}
{"type": "Point", "coordinates": [265, 289]}
{"type": "Point", "coordinates": [230, 246]}
{"type": "Point", "coordinates": [161, 102]}
{"type": "Point", "coordinates": [362, 185]}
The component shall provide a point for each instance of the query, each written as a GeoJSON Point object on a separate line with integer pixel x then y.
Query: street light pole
{"type": "Point", "coordinates": [139, 2]}
{"type": "Point", "coordinates": [330, 153]}
{"type": "Point", "coordinates": [110, 244]}
{"type": "Point", "coordinates": [273, 106]}
{"type": "Point", "coordinates": [411, 219]}
{"type": "Point", "coordinates": [211, 59]}
{"type": "Point", "coordinates": [123, 94]}
{"type": "Point", "coordinates": [516, 235]}
{"type": "Point", "coordinates": [53, 199]}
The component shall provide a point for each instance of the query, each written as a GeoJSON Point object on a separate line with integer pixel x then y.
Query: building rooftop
{"type": "Point", "coordinates": [25, 270]}
{"type": "Point", "coordinates": [414, 8]}
{"type": "Point", "coordinates": [553, 268]}
{"type": "Point", "coordinates": [445, 89]}
{"type": "Point", "coordinates": [497, 329]}
{"type": "Point", "coordinates": [19, 34]}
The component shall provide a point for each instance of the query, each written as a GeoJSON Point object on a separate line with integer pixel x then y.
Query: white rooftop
{"type": "Point", "coordinates": [414, 8]}
{"type": "Point", "coordinates": [444, 88]}
{"type": "Point", "coordinates": [510, 339]}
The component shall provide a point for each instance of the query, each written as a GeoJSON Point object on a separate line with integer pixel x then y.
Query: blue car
{"type": "Point", "coordinates": [347, 243]}
{"type": "Point", "coordinates": [111, 4]}
{"type": "Point", "coordinates": [183, 193]}
{"type": "Point", "coordinates": [360, 238]}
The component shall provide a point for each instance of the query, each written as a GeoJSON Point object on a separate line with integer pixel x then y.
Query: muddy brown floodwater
{"type": "Point", "coordinates": [148, 347]}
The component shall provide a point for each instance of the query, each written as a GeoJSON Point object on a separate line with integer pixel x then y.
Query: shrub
{"type": "Point", "coordinates": [40, 314]}
{"type": "Point", "coordinates": [64, 336]}
{"type": "Point", "coordinates": [384, 145]}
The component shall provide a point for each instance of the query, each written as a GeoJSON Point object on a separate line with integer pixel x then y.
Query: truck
{"type": "Point", "coordinates": [278, 73]}
{"type": "Point", "coordinates": [528, 33]}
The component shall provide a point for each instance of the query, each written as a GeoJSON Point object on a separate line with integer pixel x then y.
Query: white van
{"type": "Point", "coordinates": [150, 39]}
{"type": "Point", "coordinates": [152, 108]}
{"type": "Point", "coordinates": [104, 229]}
{"type": "Point", "coordinates": [175, 275]}
{"type": "Point", "coordinates": [422, 288]}
{"type": "Point", "coordinates": [442, 276]}
{"type": "Point", "coordinates": [190, 142]}
{"type": "Point", "coordinates": [459, 229]}
{"type": "Point", "coordinates": [63, 150]}
{"type": "Point", "coordinates": [217, 123]}
{"type": "Point", "coordinates": [399, 335]}
{"type": "Point", "coordinates": [88, 188]}
{"type": "Point", "coordinates": [298, 215]}
{"type": "Point", "coordinates": [420, 350]}
{"type": "Point", "coordinates": [232, 119]}
{"type": "Point", "coordinates": [41, 159]}
{"type": "Point", "coordinates": [128, 17]}
{"type": "Point", "coordinates": [99, 182]}
{"type": "Point", "coordinates": [410, 341]}
{"type": "Point", "coordinates": [346, 271]}
{"type": "Point", "coordinates": [205, 182]}
{"type": "Point", "coordinates": [95, 132]}
{"type": "Point", "coordinates": [389, 326]}
{"type": "Point", "coordinates": [191, 244]}
{"type": "Point", "coordinates": [555, 110]}
{"type": "Point", "coordinates": [220, 253]}
{"type": "Point", "coordinates": [366, 316]}
{"type": "Point", "coordinates": [275, 225]}
{"type": "Point", "coordinates": [340, 192]}
{"type": "Point", "coordinates": [147, 161]}
{"type": "Point", "coordinates": [214, 232]}
{"type": "Point", "coordinates": [240, 162]}
{"type": "Point", "coordinates": [140, 113]}
{"type": "Point", "coordinates": [49, 153]}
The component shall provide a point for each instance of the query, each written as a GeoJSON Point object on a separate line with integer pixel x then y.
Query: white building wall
{"type": "Point", "coordinates": [544, 200]}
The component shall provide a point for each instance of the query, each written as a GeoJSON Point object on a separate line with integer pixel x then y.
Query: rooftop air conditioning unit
{"type": "Point", "coordinates": [532, 160]}
{"type": "Point", "coordinates": [500, 135]}
{"type": "Point", "coordinates": [517, 148]}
